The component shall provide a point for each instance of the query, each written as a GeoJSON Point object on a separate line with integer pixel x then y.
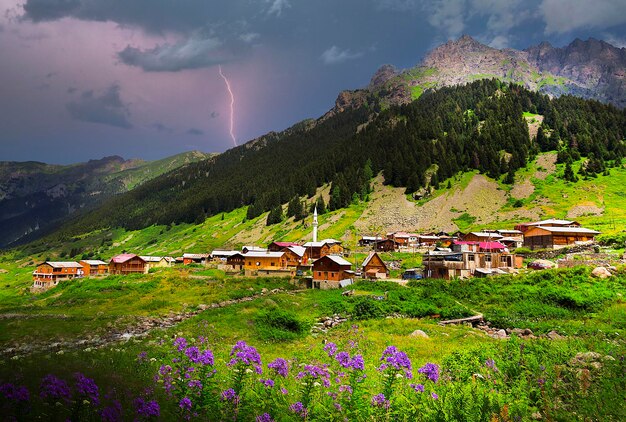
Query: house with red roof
{"type": "Point", "coordinates": [127, 263]}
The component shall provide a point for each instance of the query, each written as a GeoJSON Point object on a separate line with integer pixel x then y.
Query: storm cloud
{"type": "Point", "coordinates": [106, 108]}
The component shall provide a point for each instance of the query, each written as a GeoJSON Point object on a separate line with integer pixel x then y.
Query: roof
{"type": "Point", "coordinates": [464, 242]}
{"type": "Point", "coordinates": [195, 255]}
{"type": "Point", "coordinates": [254, 254]}
{"type": "Point", "coordinates": [336, 259]}
{"type": "Point", "coordinates": [402, 234]}
{"type": "Point", "coordinates": [330, 241]}
{"type": "Point", "coordinates": [486, 234]}
{"type": "Point", "coordinates": [428, 236]}
{"type": "Point", "coordinates": [345, 283]}
{"type": "Point", "coordinates": [152, 258]}
{"type": "Point", "coordinates": [580, 230]}
{"type": "Point", "coordinates": [298, 250]}
{"type": "Point", "coordinates": [251, 248]}
{"type": "Point", "coordinates": [510, 232]}
{"type": "Point", "coordinates": [63, 264]}
{"type": "Point", "coordinates": [219, 252]}
{"type": "Point", "coordinates": [491, 245]}
{"type": "Point", "coordinates": [93, 262]}
{"type": "Point", "coordinates": [121, 258]}
{"type": "Point", "coordinates": [369, 258]}
{"type": "Point", "coordinates": [550, 221]}
{"type": "Point", "coordinates": [285, 244]}
{"type": "Point", "coordinates": [371, 238]}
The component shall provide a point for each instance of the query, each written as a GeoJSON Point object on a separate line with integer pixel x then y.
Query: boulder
{"type": "Point", "coordinates": [553, 335]}
{"type": "Point", "coordinates": [418, 333]}
{"type": "Point", "coordinates": [601, 272]}
{"type": "Point", "coordinates": [500, 334]}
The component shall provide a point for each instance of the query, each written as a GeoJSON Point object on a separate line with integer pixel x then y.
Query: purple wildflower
{"type": "Point", "coordinates": [345, 388]}
{"type": "Point", "coordinates": [185, 403]}
{"type": "Point", "coordinates": [393, 358]}
{"type": "Point", "coordinates": [265, 417]}
{"type": "Point", "coordinates": [434, 395]}
{"type": "Point", "coordinates": [314, 371]}
{"type": "Point", "coordinates": [357, 363]}
{"type": "Point", "coordinates": [379, 400]}
{"type": "Point", "coordinates": [145, 408]}
{"type": "Point", "coordinates": [206, 358]}
{"type": "Point", "coordinates": [343, 358]}
{"type": "Point", "coordinates": [15, 392]}
{"type": "Point", "coordinates": [541, 382]}
{"type": "Point", "coordinates": [490, 363]}
{"type": "Point", "coordinates": [112, 413]}
{"type": "Point", "coordinates": [195, 384]}
{"type": "Point", "coordinates": [193, 354]}
{"type": "Point", "coordinates": [54, 388]}
{"type": "Point", "coordinates": [331, 349]}
{"type": "Point", "coordinates": [180, 343]}
{"type": "Point", "coordinates": [283, 390]}
{"type": "Point", "coordinates": [143, 356]}
{"type": "Point", "coordinates": [431, 370]}
{"type": "Point", "coordinates": [229, 395]}
{"type": "Point", "coordinates": [246, 355]}
{"type": "Point", "coordinates": [281, 367]}
{"type": "Point", "coordinates": [87, 388]}
{"type": "Point", "coordinates": [337, 406]}
{"type": "Point", "coordinates": [269, 383]}
{"type": "Point", "coordinates": [419, 388]}
{"type": "Point", "coordinates": [299, 409]}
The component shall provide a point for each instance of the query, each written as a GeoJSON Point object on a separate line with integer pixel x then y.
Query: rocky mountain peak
{"type": "Point", "coordinates": [382, 75]}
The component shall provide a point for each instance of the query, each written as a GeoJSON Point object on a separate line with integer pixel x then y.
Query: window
{"type": "Point", "coordinates": [273, 264]}
{"type": "Point", "coordinates": [258, 264]}
{"type": "Point", "coordinates": [487, 258]}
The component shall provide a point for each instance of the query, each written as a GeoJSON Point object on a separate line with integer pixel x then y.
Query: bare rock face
{"type": "Point", "coordinates": [382, 75]}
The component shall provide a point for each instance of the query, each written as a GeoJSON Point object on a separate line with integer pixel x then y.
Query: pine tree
{"type": "Point", "coordinates": [568, 174]}
{"type": "Point", "coordinates": [275, 216]}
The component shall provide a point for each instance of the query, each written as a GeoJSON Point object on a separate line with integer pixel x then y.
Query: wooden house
{"type": "Point", "coordinates": [195, 258]}
{"type": "Point", "coordinates": [49, 273]}
{"type": "Point", "coordinates": [552, 222]}
{"type": "Point", "coordinates": [157, 261]}
{"type": "Point", "coordinates": [404, 240]}
{"type": "Point", "coordinates": [316, 250]}
{"type": "Point", "coordinates": [222, 255]}
{"type": "Point", "coordinates": [482, 236]}
{"type": "Point", "coordinates": [369, 240]}
{"type": "Point", "coordinates": [469, 263]}
{"type": "Point", "coordinates": [374, 267]}
{"type": "Point", "coordinates": [94, 267]}
{"type": "Point", "coordinates": [251, 248]}
{"type": "Point", "coordinates": [294, 255]}
{"type": "Point", "coordinates": [386, 245]}
{"type": "Point", "coordinates": [256, 263]}
{"type": "Point", "coordinates": [279, 246]}
{"type": "Point", "coordinates": [127, 263]}
{"type": "Point", "coordinates": [557, 237]}
{"type": "Point", "coordinates": [428, 239]}
{"type": "Point", "coordinates": [331, 272]}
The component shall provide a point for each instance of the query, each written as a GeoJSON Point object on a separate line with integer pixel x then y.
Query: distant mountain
{"type": "Point", "coordinates": [589, 69]}
{"type": "Point", "coordinates": [36, 197]}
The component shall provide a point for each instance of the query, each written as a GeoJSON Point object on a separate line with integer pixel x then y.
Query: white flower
{"type": "Point", "coordinates": [316, 384]}
{"type": "Point", "coordinates": [248, 371]}
{"type": "Point", "coordinates": [152, 359]}
{"type": "Point", "coordinates": [399, 376]}
{"type": "Point", "coordinates": [60, 352]}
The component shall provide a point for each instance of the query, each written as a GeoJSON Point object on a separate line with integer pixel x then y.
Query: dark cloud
{"type": "Point", "coordinates": [46, 10]}
{"type": "Point", "coordinates": [160, 127]}
{"type": "Point", "coordinates": [192, 53]}
{"type": "Point", "coordinates": [106, 108]}
{"type": "Point", "coordinates": [195, 132]}
{"type": "Point", "coordinates": [71, 90]}
{"type": "Point", "coordinates": [214, 114]}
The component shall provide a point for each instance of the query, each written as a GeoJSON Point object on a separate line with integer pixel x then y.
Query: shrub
{"type": "Point", "coordinates": [367, 308]}
{"type": "Point", "coordinates": [280, 325]}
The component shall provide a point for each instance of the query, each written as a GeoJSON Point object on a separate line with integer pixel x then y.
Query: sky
{"type": "Point", "coordinates": [84, 79]}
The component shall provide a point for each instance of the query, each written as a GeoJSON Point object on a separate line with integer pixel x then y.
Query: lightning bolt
{"type": "Point", "coordinates": [232, 106]}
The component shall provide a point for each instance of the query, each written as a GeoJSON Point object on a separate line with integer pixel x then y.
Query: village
{"type": "Point", "coordinates": [327, 264]}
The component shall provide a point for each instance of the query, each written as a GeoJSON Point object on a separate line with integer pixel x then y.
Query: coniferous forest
{"type": "Point", "coordinates": [477, 126]}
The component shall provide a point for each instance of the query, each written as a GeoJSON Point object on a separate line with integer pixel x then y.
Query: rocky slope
{"type": "Point", "coordinates": [590, 69]}
{"type": "Point", "coordinates": [37, 197]}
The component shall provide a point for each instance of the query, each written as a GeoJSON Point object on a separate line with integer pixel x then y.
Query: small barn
{"type": "Point", "coordinates": [374, 267]}
{"type": "Point", "coordinates": [482, 236]}
{"type": "Point", "coordinates": [557, 237]}
{"type": "Point", "coordinates": [127, 263]}
{"type": "Point", "coordinates": [157, 261]}
{"type": "Point", "coordinates": [316, 250]}
{"type": "Point", "coordinates": [195, 258]}
{"type": "Point", "coordinates": [94, 267]}
{"type": "Point", "coordinates": [386, 245]}
{"type": "Point", "coordinates": [552, 222]}
{"type": "Point", "coordinates": [294, 255]}
{"type": "Point", "coordinates": [331, 272]}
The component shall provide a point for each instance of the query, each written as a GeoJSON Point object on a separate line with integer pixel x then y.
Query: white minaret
{"type": "Point", "coordinates": [315, 225]}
